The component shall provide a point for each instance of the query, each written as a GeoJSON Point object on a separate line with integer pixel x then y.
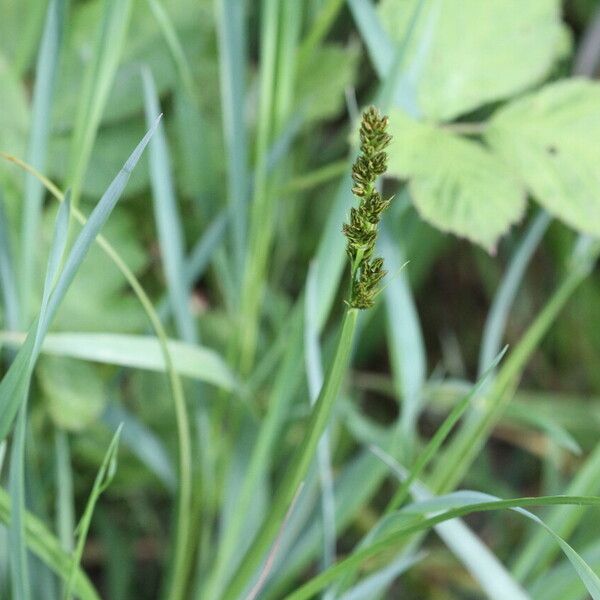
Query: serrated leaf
{"type": "Point", "coordinates": [550, 139]}
{"type": "Point", "coordinates": [73, 392]}
{"type": "Point", "coordinates": [455, 183]}
{"type": "Point", "coordinates": [481, 51]}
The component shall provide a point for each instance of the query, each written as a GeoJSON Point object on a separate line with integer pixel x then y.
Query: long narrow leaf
{"type": "Point", "coordinates": [43, 94]}
{"type": "Point", "coordinates": [18, 373]}
{"type": "Point", "coordinates": [166, 216]}
{"type": "Point", "coordinates": [103, 478]}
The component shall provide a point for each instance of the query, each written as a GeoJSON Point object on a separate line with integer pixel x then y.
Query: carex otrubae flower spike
{"type": "Point", "coordinates": [361, 231]}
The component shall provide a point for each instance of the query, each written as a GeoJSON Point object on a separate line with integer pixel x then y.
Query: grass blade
{"type": "Point", "coordinates": [261, 218]}
{"type": "Point", "coordinates": [96, 87]}
{"type": "Point", "coordinates": [457, 459]}
{"type": "Point", "coordinates": [44, 545]}
{"type": "Point", "coordinates": [314, 372]}
{"type": "Point", "coordinates": [184, 445]}
{"type": "Point", "coordinates": [20, 580]}
{"type": "Point", "coordinates": [43, 94]}
{"type": "Point", "coordinates": [483, 565]}
{"type": "Point", "coordinates": [143, 443]}
{"type": "Point", "coordinates": [405, 339]}
{"type": "Point", "coordinates": [495, 323]}
{"type": "Point", "coordinates": [166, 216]}
{"type": "Point", "coordinates": [136, 351]}
{"type": "Point", "coordinates": [105, 475]}
{"type": "Point", "coordinates": [456, 505]}
{"type": "Point", "coordinates": [16, 533]}
{"type": "Point", "coordinates": [230, 19]}
{"type": "Point", "coordinates": [13, 387]}
{"type": "Point", "coordinates": [300, 462]}
{"type": "Point", "coordinates": [10, 297]}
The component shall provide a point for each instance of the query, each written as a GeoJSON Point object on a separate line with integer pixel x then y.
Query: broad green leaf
{"type": "Point", "coordinates": [323, 80]}
{"type": "Point", "coordinates": [455, 183]}
{"type": "Point", "coordinates": [481, 52]}
{"type": "Point", "coordinates": [550, 139]}
{"type": "Point", "coordinates": [73, 392]}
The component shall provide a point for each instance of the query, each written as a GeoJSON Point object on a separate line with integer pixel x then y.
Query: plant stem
{"type": "Point", "coordinates": [300, 462]}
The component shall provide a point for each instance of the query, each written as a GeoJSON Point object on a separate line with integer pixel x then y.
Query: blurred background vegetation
{"type": "Point", "coordinates": [221, 226]}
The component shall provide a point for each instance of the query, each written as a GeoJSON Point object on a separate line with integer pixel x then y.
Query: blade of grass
{"type": "Point", "coordinates": [45, 546]}
{"type": "Point", "coordinates": [97, 83]}
{"type": "Point", "coordinates": [43, 94]}
{"type": "Point", "coordinates": [20, 369]}
{"type": "Point", "coordinates": [20, 581]}
{"type": "Point", "coordinates": [105, 475]}
{"type": "Point", "coordinates": [534, 556]}
{"type": "Point", "coordinates": [301, 461]}
{"type": "Point", "coordinates": [143, 443]}
{"type": "Point", "coordinates": [16, 533]}
{"type": "Point", "coordinates": [279, 401]}
{"type": "Point", "coordinates": [65, 509]}
{"type": "Point", "coordinates": [166, 216]}
{"type": "Point", "coordinates": [424, 459]}
{"type": "Point", "coordinates": [319, 29]}
{"type": "Point", "coordinates": [314, 372]}
{"type": "Point", "coordinates": [8, 285]}
{"type": "Point", "coordinates": [497, 317]}
{"type": "Point", "coordinates": [405, 340]}
{"type": "Point", "coordinates": [464, 448]}
{"type": "Point", "coordinates": [483, 565]}
{"type": "Point", "coordinates": [175, 47]}
{"type": "Point", "coordinates": [184, 446]}
{"type": "Point", "coordinates": [261, 217]}
{"type": "Point", "coordinates": [230, 19]}
{"type": "Point", "coordinates": [454, 506]}
{"type": "Point", "coordinates": [142, 352]}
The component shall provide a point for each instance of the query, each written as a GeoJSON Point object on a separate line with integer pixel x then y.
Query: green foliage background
{"type": "Point", "coordinates": [230, 227]}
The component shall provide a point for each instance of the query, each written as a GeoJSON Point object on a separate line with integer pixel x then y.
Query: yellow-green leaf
{"type": "Point", "coordinates": [456, 184]}
{"type": "Point", "coordinates": [550, 139]}
{"type": "Point", "coordinates": [481, 50]}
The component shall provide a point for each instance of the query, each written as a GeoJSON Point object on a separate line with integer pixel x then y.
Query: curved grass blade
{"type": "Point", "coordinates": [411, 521]}
{"type": "Point", "coordinates": [493, 577]}
{"type": "Point", "coordinates": [184, 444]}
{"type": "Point", "coordinates": [20, 369]}
{"type": "Point", "coordinates": [46, 547]}
{"type": "Point", "coordinates": [105, 475]}
{"type": "Point", "coordinates": [136, 351]}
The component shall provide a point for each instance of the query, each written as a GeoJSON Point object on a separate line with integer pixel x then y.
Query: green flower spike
{"type": "Point", "coordinates": [361, 232]}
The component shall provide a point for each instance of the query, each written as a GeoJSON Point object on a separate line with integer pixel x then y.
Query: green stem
{"type": "Point", "coordinates": [301, 461]}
